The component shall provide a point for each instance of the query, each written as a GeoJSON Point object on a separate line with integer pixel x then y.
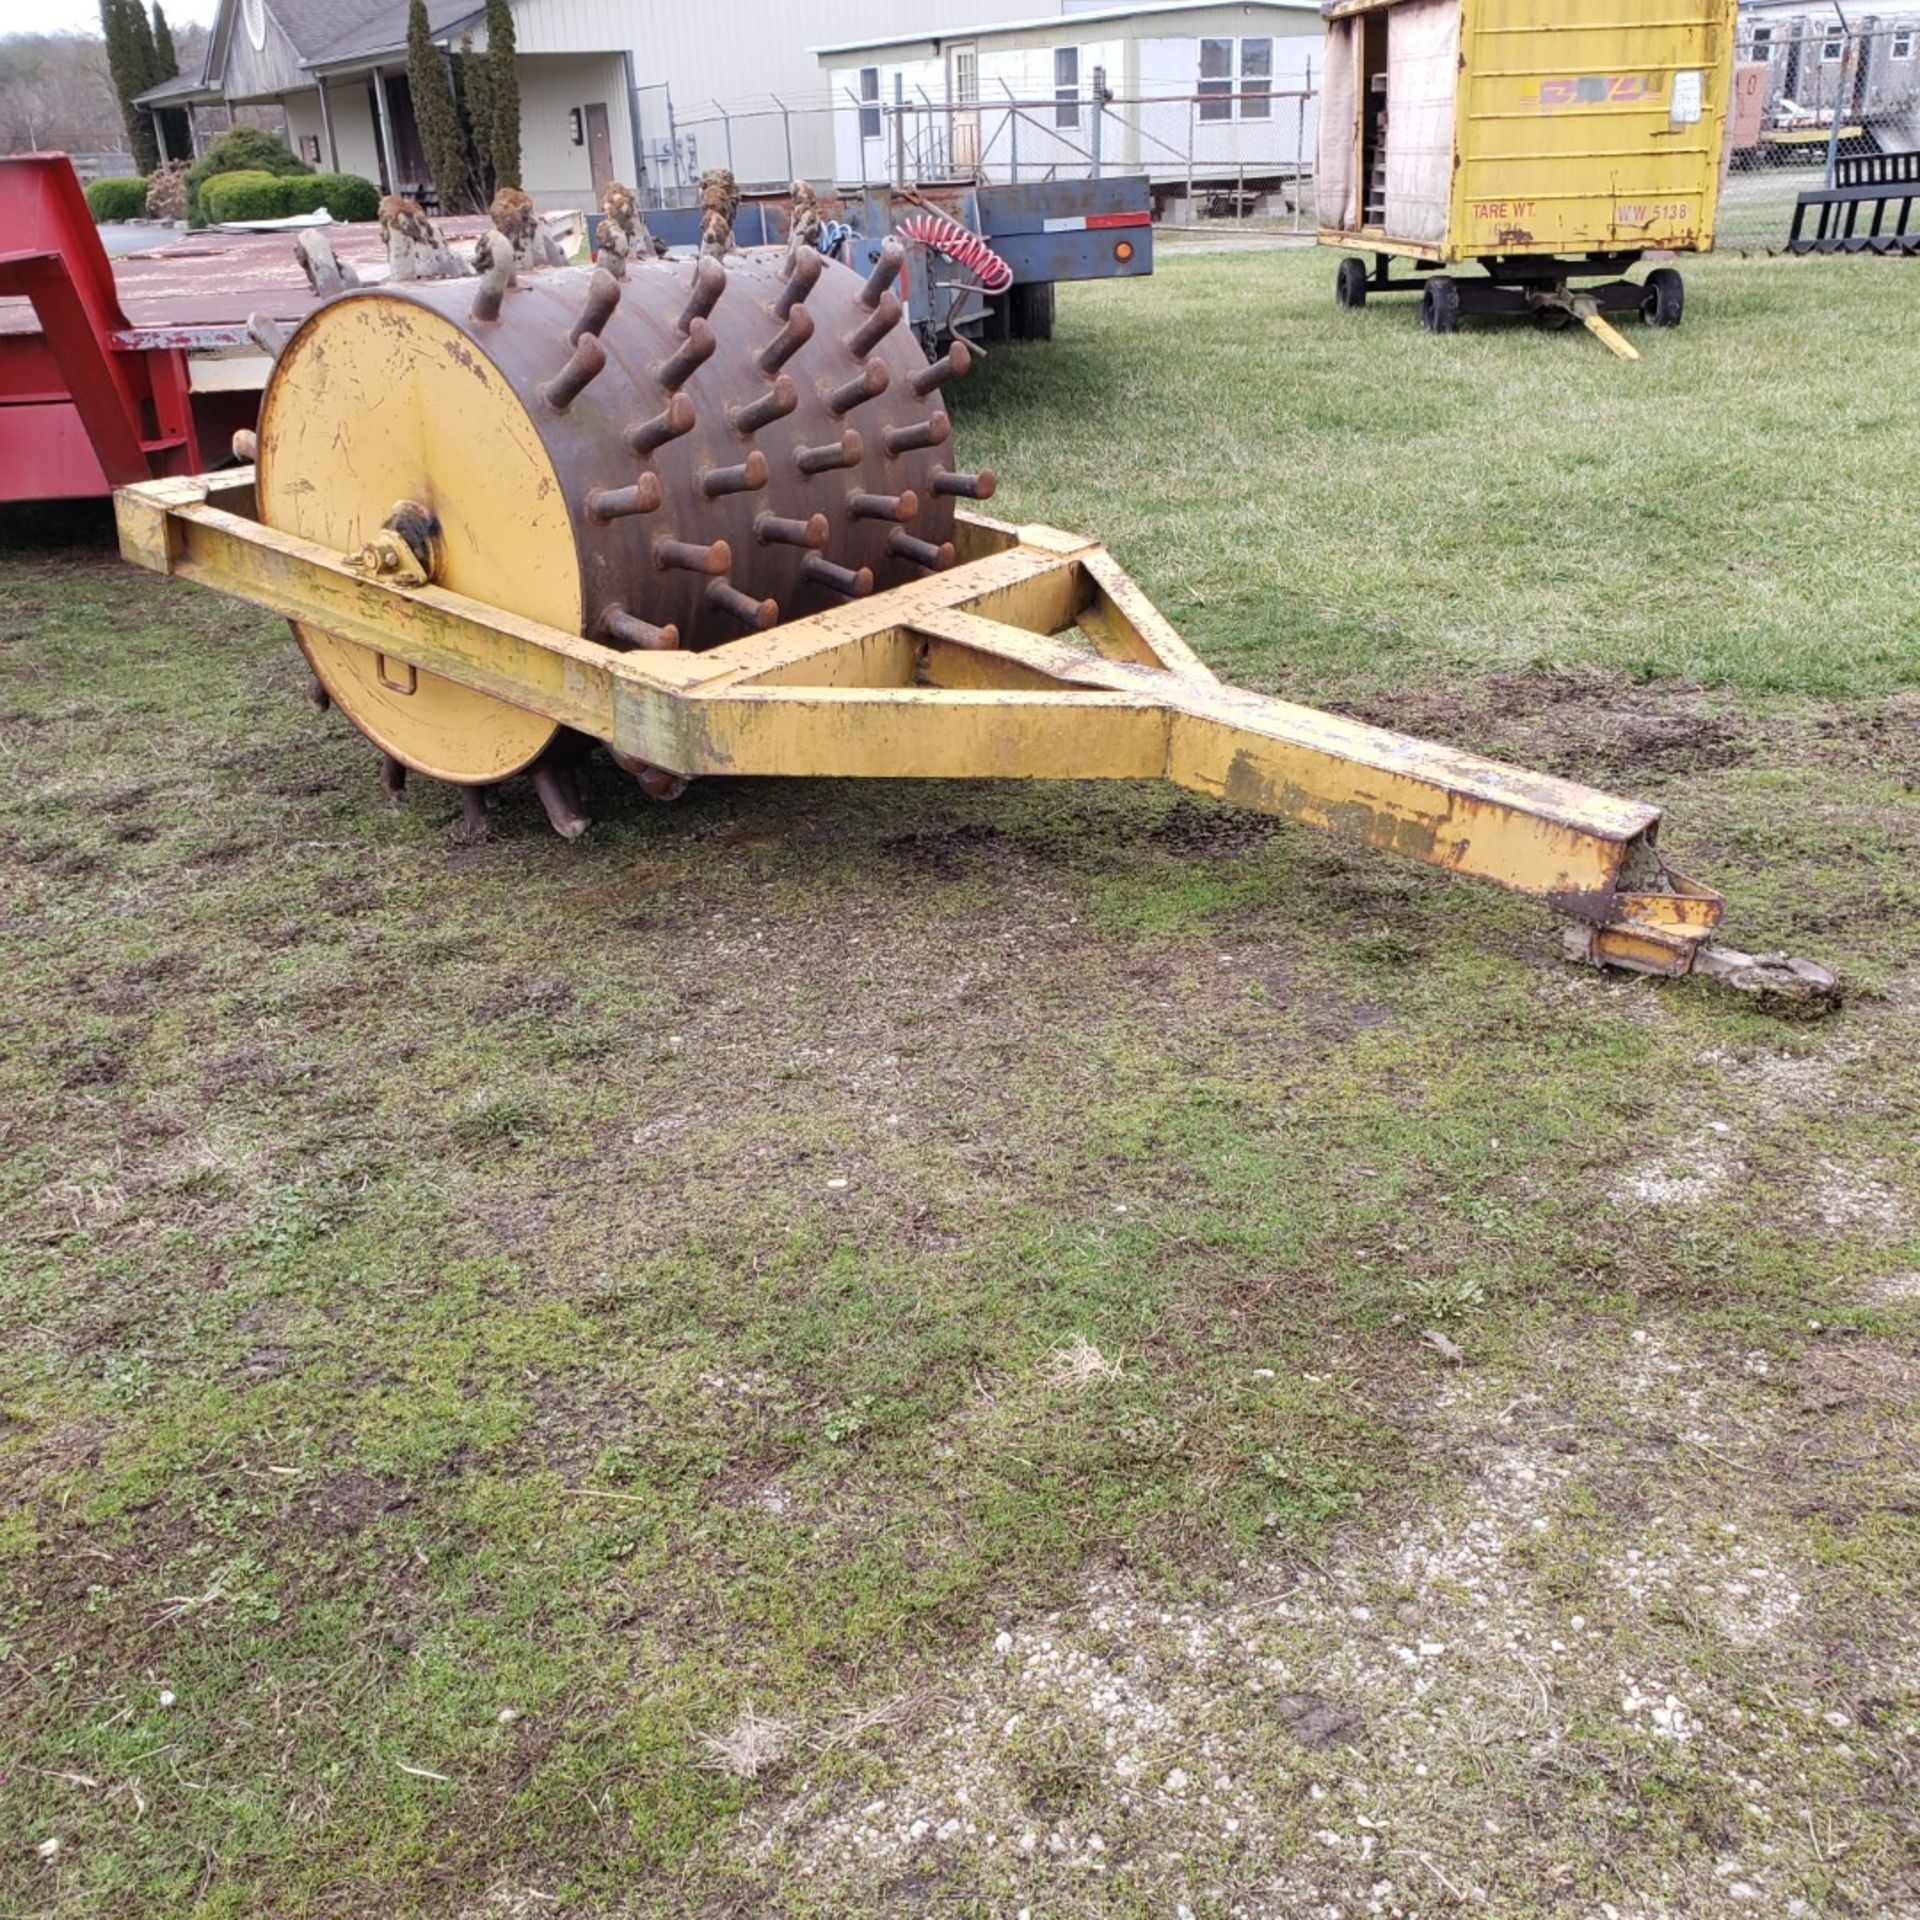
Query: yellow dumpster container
{"type": "Point", "coordinates": [1542, 143]}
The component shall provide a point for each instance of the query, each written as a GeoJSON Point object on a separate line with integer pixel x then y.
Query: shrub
{"type": "Point", "coordinates": [167, 192]}
{"type": "Point", "coordinates": [266, 196]}
{"type": "Point", "coordinates": [239, 150]}
{"type": "Point", "coordinates": [243, 196]}
{"type": "Point", "coordinates": [120, 197]}
{"type": "Point", "coordinates": [344, 195]}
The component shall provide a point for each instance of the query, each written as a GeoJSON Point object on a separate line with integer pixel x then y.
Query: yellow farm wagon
{"type": "Point", "coordinates": [1539, 143]}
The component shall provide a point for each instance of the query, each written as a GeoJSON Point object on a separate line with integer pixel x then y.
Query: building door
{"type": "Point", "coordinates": [412, 176]}
{"type": "Point", "coordinates": [1747, 114]}
{"type": "Point", "coordinates": [599, 148]}
{"type": "Point", "coordinates": [963, 103]}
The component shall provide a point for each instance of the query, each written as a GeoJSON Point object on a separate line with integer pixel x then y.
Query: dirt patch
{"type": "Point", "coordinates": [521, 994]}
{"type": "Point", "coordinates": [1744, 1109]}
{"type": "Point", "coordinates": [99, 1067]}
{"type": "Point", "coordinates": [212, 859]}
{"type": "Point", "coordinates": [1688, 1174]}
{"type": "Point", "coordinates": [246, 1069]}
{"type": "Point", "coordinates": [1885, 736]}
{"type": "Point", "coordinates": [345, 1503]}
{"type": "Point", "coordinates": [1863, 1375]}
{"type": "Point", "coordinates": [132, 989]}
{"type": "Point", "coordinates": [1852, 1200]}
{"type": "Point", "coordinates": [1584, 723]}
{"type": "Point", "coordinates": [61, 1450]}
{"type": "Point", "coordinates": [943, 852]}
{"type": "Point", "coordinates": [1211, 833]}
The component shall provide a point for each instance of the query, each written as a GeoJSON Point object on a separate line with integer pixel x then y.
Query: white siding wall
{"type": "Point", "coordinates": [1154, 138]}
{"type": "Point", "coordinates": [1018, 72]}
{"type": "Point", "coordinates": [870, 157]}
{"type": "Point", "coordinates": [1170, 69]}
{"type": "Point", "coordinates": [352, 109]}
{"type": "Point", "coordinates": [303, 117]}
{"type": "Point", "coordinates": [753, 56]}
{"type": "Point", "coordinates": [741, 52]}
{"type": "Point", "coordinates": [352, 126]}
{"type": "Point", "coordinates": [556, 172]}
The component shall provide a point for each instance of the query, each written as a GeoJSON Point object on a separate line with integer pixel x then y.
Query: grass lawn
{"type": "Point", "coordinates": [862, 1349]}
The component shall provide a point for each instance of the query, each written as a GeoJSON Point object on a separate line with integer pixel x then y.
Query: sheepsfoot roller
{"type": "Point", "coordinates": [707, 515]}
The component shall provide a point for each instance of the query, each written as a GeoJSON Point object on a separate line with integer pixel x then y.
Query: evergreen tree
{"type": "Point", "coordinates": [440, 136]}
{"type": "Point", "coordinates": [166, 66]}
{"type": "Point", "coordinates": [146, 54]}
{"type": "Point", "coordinates": [503, 87]}
{"type": "Point", "coordinates": [476, 89]}
{"type": "Point", "coordinates": [123, 25]}
{"type": "Point", "coordinates": [146, 61]}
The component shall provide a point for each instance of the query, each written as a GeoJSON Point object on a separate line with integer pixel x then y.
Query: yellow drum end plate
{"type": "Point", "coordinates": [379, 399]}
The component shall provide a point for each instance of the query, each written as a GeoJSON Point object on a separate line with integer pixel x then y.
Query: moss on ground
{"type": "Point", "coordinates": [487, 1323]}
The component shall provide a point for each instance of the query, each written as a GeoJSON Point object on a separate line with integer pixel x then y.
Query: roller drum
{"type": "Point", "coordinates": [679, 457]}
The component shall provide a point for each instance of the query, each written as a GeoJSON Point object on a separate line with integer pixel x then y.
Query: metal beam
{"type": "Point", "coordinates": [326, 121]}
{"type": "Point", "coordinates": [1022, 663]}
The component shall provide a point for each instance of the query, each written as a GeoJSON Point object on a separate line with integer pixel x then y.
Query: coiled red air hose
{"type": "Point", "coordinates": [961, 245]}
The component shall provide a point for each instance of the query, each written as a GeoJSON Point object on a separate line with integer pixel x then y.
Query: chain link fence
{"type": "Point", "coordinates": [1808, 92]}
{"type": "Point", "coordinates": [1233, 155]}
{"type": "Point", "coordinates": [766, 142]}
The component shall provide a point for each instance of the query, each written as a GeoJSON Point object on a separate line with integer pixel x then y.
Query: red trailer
{"type": "Point", "coordinates": [136, 369]}
{"type": "Point", "coordinates": [86, 403]}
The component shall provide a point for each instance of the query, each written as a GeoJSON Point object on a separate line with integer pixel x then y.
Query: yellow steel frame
{"type": "Point", "coordinates": [1035, 657]}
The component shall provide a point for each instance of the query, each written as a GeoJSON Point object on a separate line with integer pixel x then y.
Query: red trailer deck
{"type": "Point", "coordinates": [131, 369]}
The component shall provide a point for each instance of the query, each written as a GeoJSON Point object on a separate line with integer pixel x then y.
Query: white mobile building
{"type": "Point", "coordinates": [1208, 92]}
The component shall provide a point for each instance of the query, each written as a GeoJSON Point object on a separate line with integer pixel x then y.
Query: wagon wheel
{"type": "Point", "coordinates": [1350, 284]}
{"type": "Point", "coordinates": [1665, 298]}
{"type": "Point", "coordinates": [1440, 305]}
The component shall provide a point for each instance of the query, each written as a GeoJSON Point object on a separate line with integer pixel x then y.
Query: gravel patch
{"type": "Point", "coordinates": [1485, 1705]}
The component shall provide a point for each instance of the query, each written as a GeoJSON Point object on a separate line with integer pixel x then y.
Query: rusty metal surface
{"type": "Point", "coordinates": [710, 531]}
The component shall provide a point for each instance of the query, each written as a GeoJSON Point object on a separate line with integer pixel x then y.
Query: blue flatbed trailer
{"type": "Point", "coordinates": [1045, 230]}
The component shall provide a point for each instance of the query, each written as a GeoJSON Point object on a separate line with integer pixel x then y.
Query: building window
{"type": "Point", "coordinates": [1832, 47]}
{"type": "Point", "coordinates": [869, 92]}
{"type": "Point", "coordinates": [1903, 44]}
{"type": "Point", "coordinates": [1216, 79]}
{"type": "Point", "coordinates": [1256, 79]}
{"type": "Point", "coordinates": [1066, 86]}
{"type": "Point", "coordinates": [1762, 39]}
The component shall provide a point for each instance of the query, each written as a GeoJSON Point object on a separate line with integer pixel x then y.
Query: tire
{"type": "Point", "coordinates": [997, 323]}
{"type": "Point", "coordinates": [1440, 305]}
{"type": "Point", "coordinates": [1665, 299]}
{"type": "Point", "coordinates": [1350, 284]}
{"type": "Point", "coordinates": [1030, 310]}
